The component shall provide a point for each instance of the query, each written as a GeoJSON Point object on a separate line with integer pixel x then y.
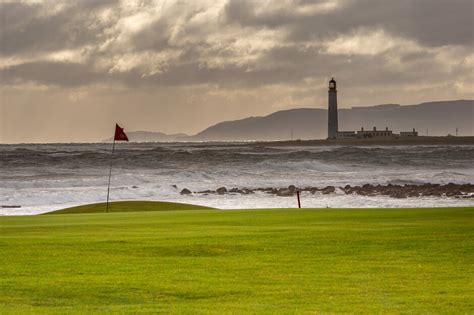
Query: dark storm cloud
{"type": "Point", "coordinates": [431, 22]}
{"type": "Point", "coordinates": [280, 70]}
{"type": "Point", "coordinates": [33, 28]}
{"type": "Point", "coordinates": [243, 43]}
{"type": "Point", "coordinates": [158, 35]}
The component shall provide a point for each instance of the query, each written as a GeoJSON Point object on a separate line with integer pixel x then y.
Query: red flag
{"type": "Point", "coordinates": [119, 134]}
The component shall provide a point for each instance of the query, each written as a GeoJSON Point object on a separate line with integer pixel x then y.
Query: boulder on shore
{"type": "Point", "coordinates": [328, 190]}
{"type": "Point", "coordinates": [221, 190]}
{"type": "Point", "coordinates": [392, 190]}
{"type": "Point", "coordinates": [206, 192]}
{"type": "Point", "coordinates": [284, 192]}
{"type": "Point", "coordinates": [186, 191]}
{"type": "Point", "coordinates": [292, 188]}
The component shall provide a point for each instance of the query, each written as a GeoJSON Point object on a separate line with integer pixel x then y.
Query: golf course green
{"type": "Point", "coordinates": [140, 258]}
{"type": "Point", "coordinates": [129, 206]}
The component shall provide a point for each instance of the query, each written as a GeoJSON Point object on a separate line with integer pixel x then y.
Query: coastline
{"type": "Point", "coordinates": [71, 175]}
{"type": "Point", "coordinates": [420, 140]}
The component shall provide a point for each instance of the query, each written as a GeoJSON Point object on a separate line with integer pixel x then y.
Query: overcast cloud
{"type": "Point", "coordinates": [69, 70]}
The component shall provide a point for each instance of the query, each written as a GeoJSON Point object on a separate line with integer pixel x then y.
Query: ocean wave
{"type": "Point", "coordinates": [151, 157]}
{"type": "Point", "coordinates": [57, 175]}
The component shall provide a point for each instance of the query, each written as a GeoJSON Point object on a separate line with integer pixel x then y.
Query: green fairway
{"type": "Point", "coordinates": [258, 261]}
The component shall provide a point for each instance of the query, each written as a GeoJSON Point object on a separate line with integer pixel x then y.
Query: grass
{"type": "Point", "coordinates": [130, 206]}
{"type": "Point", "coordinates": [256, 261]}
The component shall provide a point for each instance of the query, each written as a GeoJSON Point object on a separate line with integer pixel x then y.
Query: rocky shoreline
{"type": "Point", "coordinates": [394, 191]}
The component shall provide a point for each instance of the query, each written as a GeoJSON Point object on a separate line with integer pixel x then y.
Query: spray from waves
{"type": "Point", "coordinates": [57, 175]}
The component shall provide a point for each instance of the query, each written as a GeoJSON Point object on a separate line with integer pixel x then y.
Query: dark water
{"type": "Point", "coordinates": [41, 177]}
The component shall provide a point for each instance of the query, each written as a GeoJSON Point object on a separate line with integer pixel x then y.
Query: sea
{"type": "Point", "coordinates": [37, 178]}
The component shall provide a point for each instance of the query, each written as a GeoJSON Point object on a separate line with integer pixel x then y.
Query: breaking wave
{"type": "Point", "coordinates": [51, 176]}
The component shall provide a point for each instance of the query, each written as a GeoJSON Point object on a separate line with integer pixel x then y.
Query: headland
{"type": "Point", "coordinates": [392, 141]}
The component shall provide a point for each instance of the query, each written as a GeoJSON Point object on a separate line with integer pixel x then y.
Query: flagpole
{"type": "Point", "coordinates": [110, 174]}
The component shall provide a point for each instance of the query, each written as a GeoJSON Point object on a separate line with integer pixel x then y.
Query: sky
{"type": "Point", "coordinates": [70, 69]}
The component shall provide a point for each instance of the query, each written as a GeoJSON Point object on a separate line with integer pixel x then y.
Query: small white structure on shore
{"type": "Point", "coordinates": [413, 133]}
{"type": "Point", "coordinates": [374, 133]}
{"type": "Point", "coordinates": [333, 128]}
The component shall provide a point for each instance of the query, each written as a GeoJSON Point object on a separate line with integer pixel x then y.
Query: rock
{"type": "Point", "coordinates": [363, 192]}
{"type": "Point", "coordinates": [395, 191]}
{"type": "Point", "coordinates": [348, 189]}
{"type": "Point", "coordinates": [186, 191]}
{"type": "Point", "coordinates": [368, 190]}
{"type": "Point", "coordinates": [413, 194]}
{"type": "Point", "coordinates": [273, 191]}
{"type": "Point", "coordinates": [206, 192]}
{"type": "Point", "coordinates": [243, 191]}
{"type": "Point", "coordinates": [328, 190]}
{"type": "Point", "coordinates": [433, 192]}
{"type": "Point", "coordinates": [174, 186]}
{"type": "Point", "coordinates": [221, 190]}
{"type": "Point", "coordinates": [284, 192]}
{"type": "Point", "coordinates": [134, 186]}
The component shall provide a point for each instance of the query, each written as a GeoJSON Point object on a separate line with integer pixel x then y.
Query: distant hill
{"type": "Point", "coordinates": [307, 123]}
{"type": "Point", "coordinates": [439, 118]}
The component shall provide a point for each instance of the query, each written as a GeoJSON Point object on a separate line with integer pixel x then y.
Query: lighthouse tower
{"type": "Point", "coordinates": [332, 110]}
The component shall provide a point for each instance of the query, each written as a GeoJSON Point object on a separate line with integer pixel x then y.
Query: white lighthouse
{"type": "Point", "coordinates": [332, 110]}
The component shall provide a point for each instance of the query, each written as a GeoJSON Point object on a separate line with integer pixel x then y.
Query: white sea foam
{"type": "Point", "coordinates": [41, 178]}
